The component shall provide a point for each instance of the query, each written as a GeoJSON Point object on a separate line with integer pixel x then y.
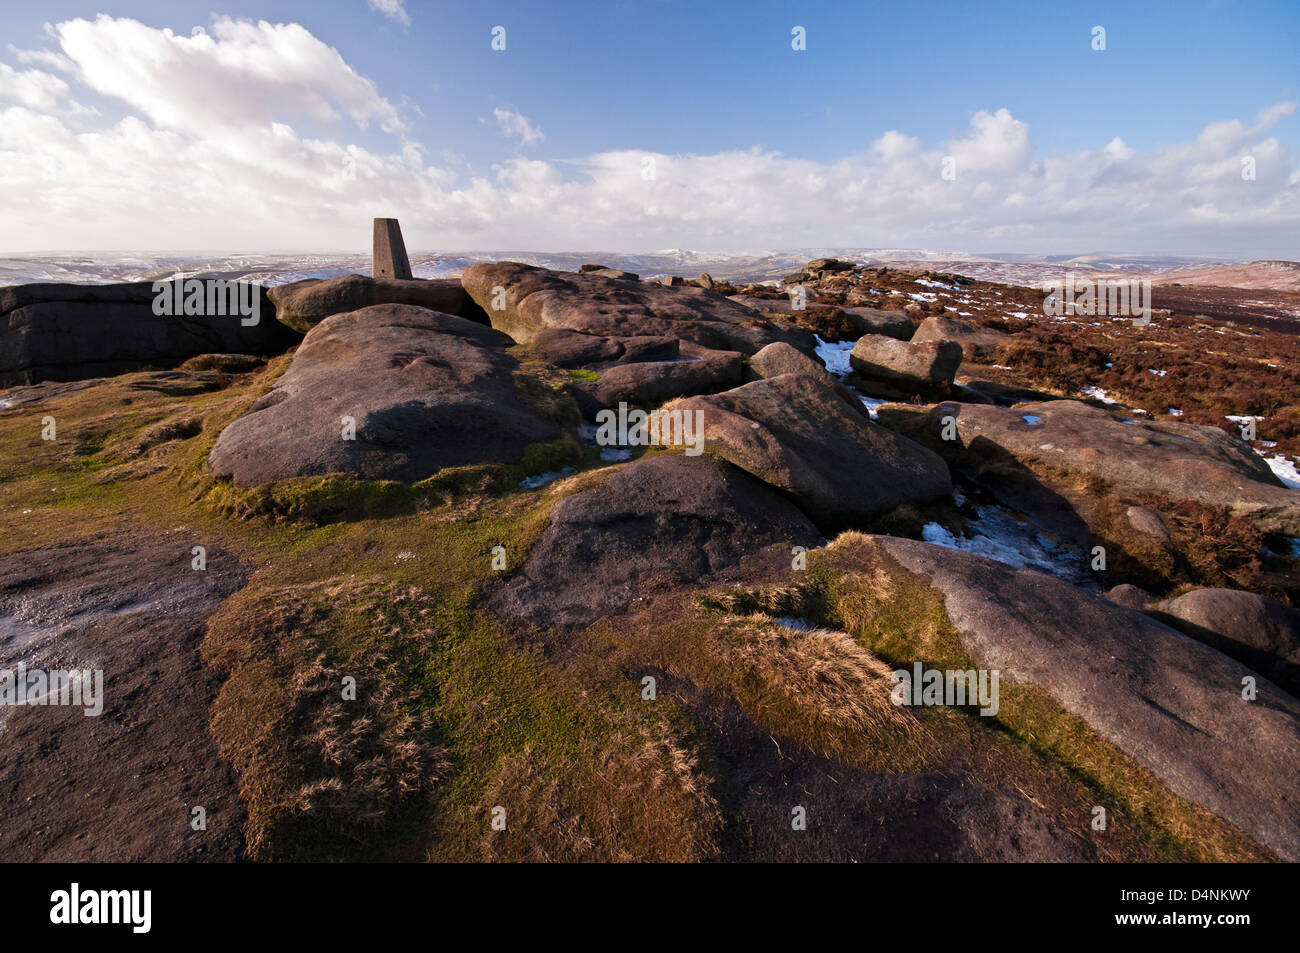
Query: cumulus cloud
{"type": "Point", "coordinates": [238, 138]}
{"type": "Point", "coordinates": [514, 125]}
{"type": "Point", "coordinates": [393, 9]}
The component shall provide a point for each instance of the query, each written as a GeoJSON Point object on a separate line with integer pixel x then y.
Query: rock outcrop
{"type": "Point", "coordinates": [533, 299]}
{"type": "Point", "coordinates": [1180, 461]}
{"type": "Point", "coordinates": [63, 332]}
{"type": "Point", "coordinates": [1172, 704]}
{"type": "Point", "coordinates": [304, 304]}
{"type": "Point", "coordinates": [911, 364]}
{"type": "Point", "coordinates": [1257, 630]}
{"type": "Point", "coordinates": [977, 343]}
{"type": "Point", "coordinates": [797, 434]}
{"type": "Point", "coordinates": [662, 521]}
{"type": "Point", "coordinates": [424, 390]}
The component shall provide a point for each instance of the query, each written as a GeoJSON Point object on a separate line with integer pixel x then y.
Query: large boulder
{"type": "Point", "coordinates": [797, 434]}
{"type": "Point", "coordinates": [1180, 461]}
{"type": "Point", "coordinates": [977, 343]}
{"type": "Point", "coordinates": [304, 304]}
{"type": "Point", "coordinates": [1262, 632]}
{"type": "Point", "coordinates": [533, 299]}
{"type": "Point", "coordinates": [1172, 704]}
{"type": "Point", "coordinates": [907, 364]}
{"type": "Point", "coordinates": [65, 332]}
{"type": "Point", "coordinates": [426, 391]}
{"type": "Point", "coordinates": [894, 324]}
{"type": "Point", "coordinates": [663, 521]}
{"type": "Point", "coordinates": [780, 358]}
{"type": "Point", "coordinates": [565, 348]}
{"type": "Point", "coordinates": [697, 370]}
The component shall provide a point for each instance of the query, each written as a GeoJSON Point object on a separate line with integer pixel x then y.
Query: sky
{"type": "Point", "coordinates": [1032, 127]}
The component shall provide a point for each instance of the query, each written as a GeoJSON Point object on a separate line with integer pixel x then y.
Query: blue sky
{"type": "Point", "coordinates": [713, 80]}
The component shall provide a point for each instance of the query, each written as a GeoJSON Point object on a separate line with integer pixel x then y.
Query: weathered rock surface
{"type": "Point", "coordinates": [304, 304]}
{"type": "Point", "coordinates": [65, 332]}
{"type": "Point", "coordinates": [780, 358]}
{"type": "Point", "coordinates": [662, 521]}
{"type": "Point", "coordinates": [697, 370]}
{"type": "Point", "coordinates": [117, 786]}
{"type": "Point", "coordinates": [794, 432]}
{"type": "Point", "coordinates": [1182, 461]}
{"type": "Point", "coordinates": [426, 390]}
{"type": "Point", "coordinates": [907, 364]}
{"type": "Point", "coordinates": [977, 343]}
{"type": "Point", "coordinates": [1130, 596]}
{"type": "Point", "coordinates": [1257, 630]}
{"type": "Point", "coordinates": [894, 324]}
{"type": "Point", "coordinates": [537, 298]}
{"type": "Point", "coordinates": [1170, 703]}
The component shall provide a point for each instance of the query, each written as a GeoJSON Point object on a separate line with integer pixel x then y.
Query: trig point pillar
{"type": "Point", "coordinates": [389, 257]}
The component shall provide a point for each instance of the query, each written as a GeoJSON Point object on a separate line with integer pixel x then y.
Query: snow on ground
{"type": "Point", "coordinates": [1285, 470]}
{"type": "Point", "coordinates": [1098, 393]}
{"type": "Point", "coordinates": [835, 355]}
{"type": "Point", "coordinates": [541, 479]}
{"type": "Point", "coordinates": [1001, 535]}
{"type": "Point", "coordinates": [615, 454]}
{"type": "Point", "coordinates": [935, 284]}
{"type": "Point", "coordinates": [4, 404]}
{"type": "Point", "coordinates": [1175, 412]}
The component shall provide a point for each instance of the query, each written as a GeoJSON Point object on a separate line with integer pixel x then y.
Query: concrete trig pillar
{"type": "Point", "coordinates": [389, 257]}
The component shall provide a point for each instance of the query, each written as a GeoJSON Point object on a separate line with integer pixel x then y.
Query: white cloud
{"type": "Point", "coordinates": [33, 88]}
{"type": "Point", "coordinates": [515, 125]}
{"type": "Point", "coordinates": [393, 9]}
{"type": "Point", "coordinates": [237, 139]}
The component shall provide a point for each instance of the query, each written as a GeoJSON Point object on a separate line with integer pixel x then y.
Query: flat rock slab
{"type": "Point", "coordinates": [662, 521]}
{"type": "Point", "coordinates": [1182, 461]}
{"type": "Point", "coordinates": [64, 332]}
{"type": "Point", "coordinates": [426, 391]}
{"type": "Point", "coordinates": [1169, 702]}
{"type": "Point", "coordinates": [977, 343]}
{"type": "Point", "coordinates": [533, 299]}
{"type": "Point", "coordinates": [302, 305]}
{"type": "Point", "coordinates": [796, 433]}
{"type": "Point", "coordinates": [118, 786]}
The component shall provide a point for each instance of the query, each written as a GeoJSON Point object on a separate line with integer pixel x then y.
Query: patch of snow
{"type": "Point", "coordinates": [1284, 469]}
{"type": "Point", "coordinates": [541, 479]}
{"type": "Point", "coordinates": [1239, 419]}
{"type": "Point", "coordinates": [922, 295]}
{"type": "Point", "coordinates": [925, 282]}
{"type": "Point", "coordinates": [1019, 314]}
{"type": "Point", "coordinates": [1152, 370]}
{"type": "Point", "coordinates": [999, 535]}
{"type": "Point", "coordinates": [4, 403]}
{"type": "Point", "coordinates": [1097, 393]}
{"type": "Point", "coordinates": [405, 555]}
{"type": "Point", "coordinates": [871, 404]}
{"type": "Point", "coordinates": [835, 355]}
{"type": "Point", "coordinates": [1175, 412]}
{"type": "Point", "coordinates": [615, 454]}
